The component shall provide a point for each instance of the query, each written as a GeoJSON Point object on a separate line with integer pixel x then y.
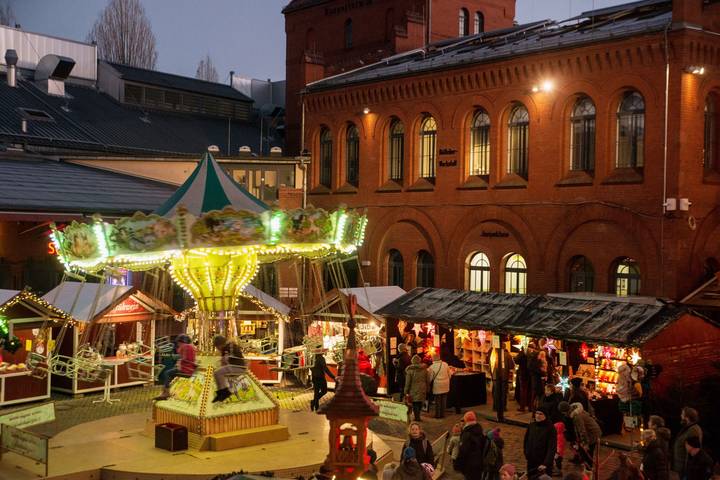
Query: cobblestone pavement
{"type": "Point", "coordinates": [73, 411]}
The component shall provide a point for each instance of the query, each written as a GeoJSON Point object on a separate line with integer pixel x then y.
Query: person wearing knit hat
{"type": "Point", "coordinates": [564, 408]}
{"type": "Point", "coordinates": [409, 468]}
{"type": "Point", "coordinates": [416, 385]}
{"type": "Point", "coordinates": [469, 417]}
{"type": "Point", "coordinates": [507, 472]}
{"type": "Point", "coordinates": [473, 443]}
{"type": "Point", "coordinates": [540, 444]}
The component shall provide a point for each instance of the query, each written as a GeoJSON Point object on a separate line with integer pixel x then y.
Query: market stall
{"type": "Point", "coordinates": [329, 319]}
{"type": "Point", "coordinates": [26, 322]}
{"type": "Point", "coordinates": [115, 325]}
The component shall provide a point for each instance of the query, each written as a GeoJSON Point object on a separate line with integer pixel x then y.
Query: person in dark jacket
{"type": "Point", "coordinates": [699, 465]}
{"type": "Point", "coordinates": [550, 401]}
{"type": "Point", "coordinates": [540, 445]}
{"type": "Point", "coordinates": [418, 441]}
{"type": "Point", "coordinates": [689, 420]}
{"type": "Point", "coordinates": [401, 362]}
{"type": "Point", "coordinates": [577, 394]}
{"type": "Point", "coordinates": [472, 446]}
{"type": "Point", "coordinates": [416, 385]}
{"type": "Point", "coordinates": [318, 372]}
{"type": "Point", "coordinates": [522, 382]}
{"type": "Point", "coordinates": [409, 469]}
{"type": "Point", "coordinates": [655, 464]}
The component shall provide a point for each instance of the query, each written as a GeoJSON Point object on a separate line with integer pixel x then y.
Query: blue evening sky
{"type": "Point", "coordinates": [247, 36]}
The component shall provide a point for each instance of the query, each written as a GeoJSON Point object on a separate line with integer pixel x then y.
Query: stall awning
{"type": "Point", "coordinates": [575, 317]}
{"type": "Point", "coordinates": [267, 300]}
{"type": "Point", "coordinates": [369, 299]}
{"type": "Point", "coordinates": [7, 295]}
{"type": "Point", "coordinates": [23, 305]}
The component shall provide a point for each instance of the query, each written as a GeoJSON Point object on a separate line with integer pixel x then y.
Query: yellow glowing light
{"type": "Point", "coordinates": [635, 357]}
{"type": "Point", "coordinates": [462, 334]}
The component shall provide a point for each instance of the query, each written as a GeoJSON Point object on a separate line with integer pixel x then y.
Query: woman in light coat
{"type": "Point", "coordinates": [439, 373]}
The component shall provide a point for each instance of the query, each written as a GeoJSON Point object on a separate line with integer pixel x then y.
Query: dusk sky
{"type": "Point", "coordinates": [247, 36]}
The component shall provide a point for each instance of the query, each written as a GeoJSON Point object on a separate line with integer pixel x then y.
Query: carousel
{"type": "Point", "coordinates": [211, 236]}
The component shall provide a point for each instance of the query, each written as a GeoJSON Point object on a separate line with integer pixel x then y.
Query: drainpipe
{"type": "Point", "coordinates": [665, 160]}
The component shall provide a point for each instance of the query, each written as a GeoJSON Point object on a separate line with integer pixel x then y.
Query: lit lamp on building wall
{"type": "Point", "coordinates": [546, 86]}
{"type": "Point", "coordinates": [366, 110]}
{"type": "Point", "coordinates": [695, 70]}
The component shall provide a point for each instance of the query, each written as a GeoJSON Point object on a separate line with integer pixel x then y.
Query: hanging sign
{"type": "Point", "coordinates": [129, 306]}
{"type": "Point", "coordinates": [393, 410]}
{"type": "Point", "coordinates": [496, 341]}
{"type": "Point", "coordinates": [27, 417]}
{"type": "Point", "coordinates": [562, 358]}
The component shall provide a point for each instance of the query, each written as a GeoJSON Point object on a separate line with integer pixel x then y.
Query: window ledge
{"type": "Point", "coordinates": [512, 180]}
{"type": "Point", "coordinates": [421, 185]}
{"type": "Point", "coordinates": [320, 190]}
{"type": "Point", "coordinates": [347, 188]}
{"type": "Point", "coordinates": [474, 183]}
{"type": "Point", "coordinates": [390, 186]}
{"type": "Point", "coordinates": [711, 177]}
{"type": "Point", "coordinates": [624, 176]}
{"type": "Point", "coordinates": [576, 178]}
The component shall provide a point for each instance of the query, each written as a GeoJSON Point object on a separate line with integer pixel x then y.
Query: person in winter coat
{"type": "Point", "coordinates": [662, 433]}
{"type": "Point", "coordinates": [699, 465]}
{"type": "Point", "coordinates": [501, 378]}
{"type": "Point", "coordinates": [522, 382]}
{"type": "Point", "coordinates": [494, 458]}
{"type": "Point", "coordinates": [689, 420]}
{"type": "Point", "coordinates": [560, 449]}
{"type": "Point", "coordinates": [540, 445]}
{"type": "Point", "coordinates": [472, 446]}
{"type": "Point", "coordinates": [453, 446]}
{"type": "Point", "coordinates": [419, 442]}
{"type": "Point", "coordinates": [626, 470]}
{"type": "Point", "coordinates": [439, 373]}
{"type": "Point", "coordinates": [550, 401]}
{"type": "Point", "coordinates": [319, 382]}
{"type": "Point", "coordinates": [416, 385]}
{"type": "Point", "coordinates": [577, 394]}
{"type": "Point", "coordinates": [655, 465]}
{"type": "Point", "coordinates": [587, 431]}
{"type": "Point", "coordinates": [409, 468]}
{"type": "Point", "coordinates": [401, 362]}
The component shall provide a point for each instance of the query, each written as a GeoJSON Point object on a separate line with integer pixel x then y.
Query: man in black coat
{"type": "Point", "coordinates": [699, 465]}
{"type": "Point", "coordinates": [472, 447]}
{"type": "Point", "coordinates": [320, 386]}
{"type": "Point", "coordinates": [540, 445]}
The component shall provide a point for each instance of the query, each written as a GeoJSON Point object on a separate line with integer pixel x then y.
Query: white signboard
{"type": "Point", "coordinates": [27, 444]}
{"type": "Point", "coordinates": [27, 417]}
{"type": "Point", "coordinates": [393, 410]}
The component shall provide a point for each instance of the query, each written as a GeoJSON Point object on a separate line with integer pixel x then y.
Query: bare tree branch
{"type": "Point", "coordinates": [206, 70]}
{"type": "Point", "coordinates": [7, 15]}
{"type": "Point", "coordinates": [124, 35]}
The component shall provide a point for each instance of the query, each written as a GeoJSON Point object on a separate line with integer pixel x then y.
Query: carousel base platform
{"type": "Point", "coordinates": [118, 448]}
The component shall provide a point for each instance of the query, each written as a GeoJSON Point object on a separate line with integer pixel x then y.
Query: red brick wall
{"type": "Point", "coordinates": [546, 222]}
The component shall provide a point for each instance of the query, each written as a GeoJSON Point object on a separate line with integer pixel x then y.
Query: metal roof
{"type": "Point", "coordinates": [632, 19]}
{"type": "Point", "coordinates": [37, 184]}
{"type": "Point", "coordinates": [372, 299]}
{"type": "Point", "coordinates": [7, 295]}
{"type": "Point", "coordinates": [88, 120]}
{"type": "Point", "coordinates": [594, 320]}
{"type": "Point", "coordinates": [267, 299]}
{"type": "Point", "coordinates": [83, 302]}
{"type": "Point", "coordinates": [178, 82]}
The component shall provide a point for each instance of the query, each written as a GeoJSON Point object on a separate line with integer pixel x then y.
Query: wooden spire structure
{"type": "Point", "coordinates": [349, 412]}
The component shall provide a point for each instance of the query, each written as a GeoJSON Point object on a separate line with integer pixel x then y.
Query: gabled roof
{"type": "Point", "coordinates": [38, 184]}
{"type": "Point", "coordinates": [86, 302]}
{"type": "Point", "coordinates": [372, 299]}
{"type": "Point", "coordinates": [209, 188]}
{"type": "Point", "coordinates": [622, 21]}
{"type": "Point", "coordinates": [178, 82]}
{"type": "Point", "coordinates": [567, 317]}
{"type": "Point", "coordinates": [267, 299]}
{"type": "Point", "coordinates": [7, 295]}
{"type": "Point", "coordinates": [706, 297]}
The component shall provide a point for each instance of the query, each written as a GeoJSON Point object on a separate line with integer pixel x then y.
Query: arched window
{"type": "Point", "coordinates": [396, 269]}
{"type": "Point", "coordinates": [479, 273]}
{"type": "Point", "coordinates": [627, 278]}
{"type": "Point", "coordinates": [428, 147]}
{"type": "Point", "coordinates": [480, 144]}
{"type": "Point", "coordinates": [348, 33]}
{"type": "Point", "coordinates": [464, 23]}
{"type": "Point", "coordinates": [311, 40]}
{"type": "Point", "coordinates": [326, 148]}
{"type": "Point", "coordinates": [515, 274]}
{"type": "Point", "coordinates": [425, 269]}
{"type": "Point", "coordinates": [518, 126]}
{"type": "Point", "coordinates": [396, 150]}
{"type": "Point", "coordinates": [631, 131]}
{"type": "Point", "coordinates": [479, 22]}
{"type": "Point", "coordinates": [710, 151]}
{"type": "Point", "coordinates": [582, 135]}
{"type": "Point", "coordinates": [582, 275]}
{"type": "Point", "coordinates": [352, 155]}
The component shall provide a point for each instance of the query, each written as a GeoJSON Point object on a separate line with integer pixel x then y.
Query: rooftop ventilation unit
{"type": "Point", "coordinates": [11, 59]}
{"type": "Point", "coordinates": [52, 71]}
{"type": "Point", "coordinates": [276, 152]}
{"type": "Point", "coordinates": [213, 149]}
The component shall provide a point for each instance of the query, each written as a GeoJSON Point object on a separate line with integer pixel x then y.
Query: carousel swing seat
{"type": "Point", "coordinates": [62, 365]}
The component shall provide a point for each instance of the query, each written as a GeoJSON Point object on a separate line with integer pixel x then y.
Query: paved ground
{"type": "Point", "coordinates": [73, 411]}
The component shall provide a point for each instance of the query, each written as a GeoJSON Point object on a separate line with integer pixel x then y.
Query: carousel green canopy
{"type": "Point", "coordinates": [212, 234]}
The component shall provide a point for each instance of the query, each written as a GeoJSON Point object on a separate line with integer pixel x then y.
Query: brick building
{"type": "Point", "coordinates": [534, 158]}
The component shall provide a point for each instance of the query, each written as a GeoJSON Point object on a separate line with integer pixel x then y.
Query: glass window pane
{"type": "Point", "coordinates": [631, 131]}
{"type": "Point", "coordinates": [516, 275]}
{"type": "Point", "coordinates": [396, 150]}
{"type": "Point", "coordinates": [480, 144]}
{"type": "Point", "coordinates": [428, 152]}
{"type": "Point", "coordinates": [352, 155]}
{"type": "Point", "coordinates": [518, 141]}
{"type": "Point", "coordinates": [479, 274]}
{"type": "Point", "coordinates": [325, 158]}
{"type": "Point", "coordinates": [627, 278]}
{"type": "Point", "coordinates": [582, 136]}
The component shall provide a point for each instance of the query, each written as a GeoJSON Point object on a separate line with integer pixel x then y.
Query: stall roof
{"type": "Point", "coordinates": [78, 299]}
{"type": "Point", "coordinates": [7, 295]}
{"type": "Point", "coordinates": [594, 319]}
{"type": "Point", "coordinates": [267, 299]}
{"type": "Point", "coordinates": [706, 297]}
{"type": "Point", "coordinates": [30, 304]}
{"type": "Point", "coordinates": [369, 300]}
{"type": "Point", "coordinates": [373, 299]}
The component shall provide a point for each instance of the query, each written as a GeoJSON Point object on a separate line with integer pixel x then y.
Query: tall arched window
{"type": "Point", "coordinates": [348, 33]}
{"type": "Point", "coordinates": [352, 155]}
{"type": "Point", "coordinates": [396, 269]}
{"type": "Point", "coordinates": [396, 150]}
{"type": "Point", "coordinates": [479, 273]}
{"type": "Point", "coordinates": [480, 144]}
{"type": "Point", "coordinates": [582, 275]}
{"type": "Point", "coordinates": [428, 147]}
{"type": "Point", "coordinates": [582, 135]}
{"type": "Point", "coordinates": [464, 23]}
{"type": "Point", "coordinates": [631, 131]}
{"type": "Point", "coordinates": [710, 151]}
{"type": "Point", "coordinates": [479, 22]}
{"type": "Point", "coordinates": [515, 274]}
{"type": "Point", "coordinates": [425, 270]}
{"type": "Point", "coordinates": [326, 154]}
{"type": "Point", "coordinates": [627, 278]}
{"type": "Point", "coordinates": [518, 127]}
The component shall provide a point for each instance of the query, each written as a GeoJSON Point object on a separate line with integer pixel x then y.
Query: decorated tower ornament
{"type": "Point", "coordinates": [349, 412]}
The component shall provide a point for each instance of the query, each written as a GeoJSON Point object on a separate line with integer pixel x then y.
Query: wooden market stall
{"type": "Point", "coordinates": [115, 325]}
{"type": "Point", "coordinates": [329, 318]}
{"type": "Point", "coordinates": [27, 321]}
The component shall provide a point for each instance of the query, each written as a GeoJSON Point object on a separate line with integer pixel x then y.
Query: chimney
{"type": "Point", "coordinates": [11, 59]}
{"type": "Point", "coordinates": [23, 125]}
{"type": "Point", "coordinates": [688, 12]}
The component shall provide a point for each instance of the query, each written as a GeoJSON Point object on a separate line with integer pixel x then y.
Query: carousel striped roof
{"type": "Point", "coordinates": [209, 188]}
